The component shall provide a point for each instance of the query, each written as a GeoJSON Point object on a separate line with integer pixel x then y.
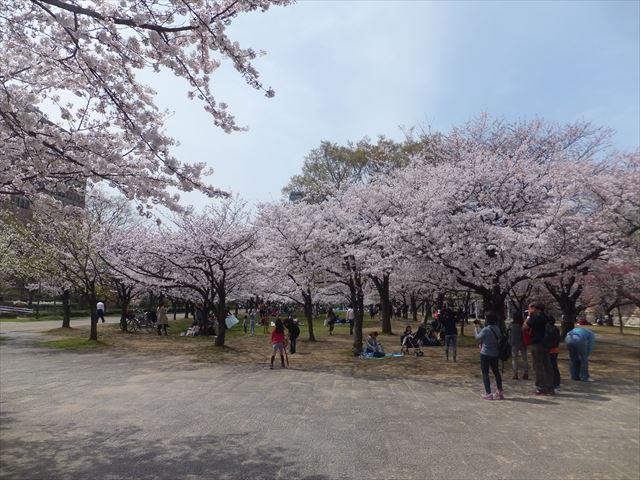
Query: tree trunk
{"type": "Point", "coordinates": [620, 320]}
{"type": "Point", "coordinates": [173, 306]}
{"type": "Point", "coordinates": [414, 308]}
{"type": "Point", "coordinates": [465, 311]}
{"type": "Point", "coordinates": [308, 311]}
{"type": "Point", "coordinates": [66, 309]}
{"type": "Point", "coordinates": [382, 285]}
{"type": "Point", "coordinates": [494, 301]}
{"type": "Point", "coordinates": [567, 298]}
{"type": "Point", "coordinates": [93, 335]}
{"type": "Point", "coordinates": [426, 309]}
{"type": "Point", "coordinates": [221, 315]}
{"type": "Point", "coordinates": [125, 300]}
{"type": "Point", "coordinates": [440, 300]}
{"type": "Point", "coordinates": [357, 301]}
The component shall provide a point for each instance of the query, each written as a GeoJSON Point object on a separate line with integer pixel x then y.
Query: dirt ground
{"type": "Point", "coordinates": [611, 359]}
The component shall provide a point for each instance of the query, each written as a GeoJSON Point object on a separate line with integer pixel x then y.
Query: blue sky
{"type": "Point", "coordinates": [343, 70]}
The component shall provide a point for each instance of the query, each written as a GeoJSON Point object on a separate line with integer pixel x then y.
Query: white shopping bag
{"type": "Point", "coordinates": [230, 321]}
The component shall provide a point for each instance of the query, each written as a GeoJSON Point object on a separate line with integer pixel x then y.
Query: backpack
{"type": "Point", "coordinates": [551, 336]}
{"type": "Point", "coordinates": [504, 348]}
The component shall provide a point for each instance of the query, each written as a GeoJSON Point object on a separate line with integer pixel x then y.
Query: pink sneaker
{"type": "Point", "coordinates": [499, 395]}
{"type": "Point", "coordinates": [487, 396]}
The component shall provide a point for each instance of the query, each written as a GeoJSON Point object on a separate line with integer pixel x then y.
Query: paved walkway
{"type": "Point", "coordinates": [106, 415]}
{"type": "Point", "coordinates": [34, 327]}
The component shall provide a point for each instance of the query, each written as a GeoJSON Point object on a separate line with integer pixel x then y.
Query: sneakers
{"type": "Point", "coordinates": [525, 376]}
{"type": "Point", "coordinates": [487, 396]}
{"type": "Point", "coordinates": [499, 395]}
{"type": "Point", "coordinates": [540, 392]}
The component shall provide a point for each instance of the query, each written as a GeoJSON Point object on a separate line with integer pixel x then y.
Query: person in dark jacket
{"type": "Point", "coordinates": [553, 354]}
{"type": "Point", "coordinates": [331, 320]}
{"type": "Point", "coordinates": [200, 316]}
{"type": "Point", "coordinates": [294, 333]}
{"type": "Point", "coordinates": [537, 322]}
{"type": "Point", "coordinates": [448, 321]}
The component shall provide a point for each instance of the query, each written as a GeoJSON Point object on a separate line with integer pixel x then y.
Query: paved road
{"type": "Point", "coordinates": [17, 327]}
{"type": "Point", "coordinates": [114, 416]}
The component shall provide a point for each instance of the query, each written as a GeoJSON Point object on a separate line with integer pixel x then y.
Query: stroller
{"type": "Point", "coordinates": [435, 334]}
{"type": "Point", "coordinates": [414, 341]}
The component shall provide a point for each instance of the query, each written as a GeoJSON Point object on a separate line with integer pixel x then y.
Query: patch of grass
{"type": "Point", "coordinates": [3, 338]}
{"type": "Point", "coordinates": [74, 343]}
{"type": "Point", "coordinates": [615, 330]}
{"type": "Point", "coordinates": [74, 332]}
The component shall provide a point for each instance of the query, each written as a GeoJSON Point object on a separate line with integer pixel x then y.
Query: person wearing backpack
{"type": "Point", "coordinates": [489, 337]}
{"type": "Point", "coordinates": [518, 347]}
{"type": "Point", "coordinates": [537, 322]}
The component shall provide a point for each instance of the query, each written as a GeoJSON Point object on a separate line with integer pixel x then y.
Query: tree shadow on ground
{"type": "Point", "coordinates": [531, 400]}
{"type": "Point", "coordinates": [130, 454]}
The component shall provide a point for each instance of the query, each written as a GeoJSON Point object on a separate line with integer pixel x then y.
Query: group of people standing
{"type": "Point", "coordinates": [280, 341]}
{"type": "Point", "coordinates": [539, 335]}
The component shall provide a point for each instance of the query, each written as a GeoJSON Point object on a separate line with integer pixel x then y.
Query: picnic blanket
{"type": "Point", "coordinates": [386, 355]}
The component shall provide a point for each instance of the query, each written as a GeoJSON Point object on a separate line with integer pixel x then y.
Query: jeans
{"type": "Point", "coordinates": [453, 341]}
{"type": "Point", "coordinates": [350, 327]}
{"type": "Point", "coordinates": [514, 359]}
{"type": "Point", "coordinates": [485, 362]}
{"type": "Point", "coordinates": [252, 327]}
{"type": "Point", "coordinates": [579, 358]}
{"type": "Point", "coordinates": [100, 315]}
{"type": "Point", "coordinates": [292, 344]}
{"type": "Point", "coordinates": [542, 366]}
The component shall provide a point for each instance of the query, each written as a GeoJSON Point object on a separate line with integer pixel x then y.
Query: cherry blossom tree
{"type": "Point", "coordinates": [73, 109]}
{"type": "Point", "coordinates": [497, 203]}
{"type": "Point", "coordinates": [291, 255]}
{"type": "Point", "coordinates": [64, 249]}
{"type": "Point", "coordinates": [199, 256]}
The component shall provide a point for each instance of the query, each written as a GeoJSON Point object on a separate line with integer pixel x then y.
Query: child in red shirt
{"type": "Point", "coordinates": [278, 342]}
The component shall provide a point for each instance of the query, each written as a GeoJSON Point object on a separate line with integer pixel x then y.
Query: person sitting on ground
{"type": "Point", "coordinates": [373, 346]}
{"type": "Point", "coordinates": [278, 342]}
